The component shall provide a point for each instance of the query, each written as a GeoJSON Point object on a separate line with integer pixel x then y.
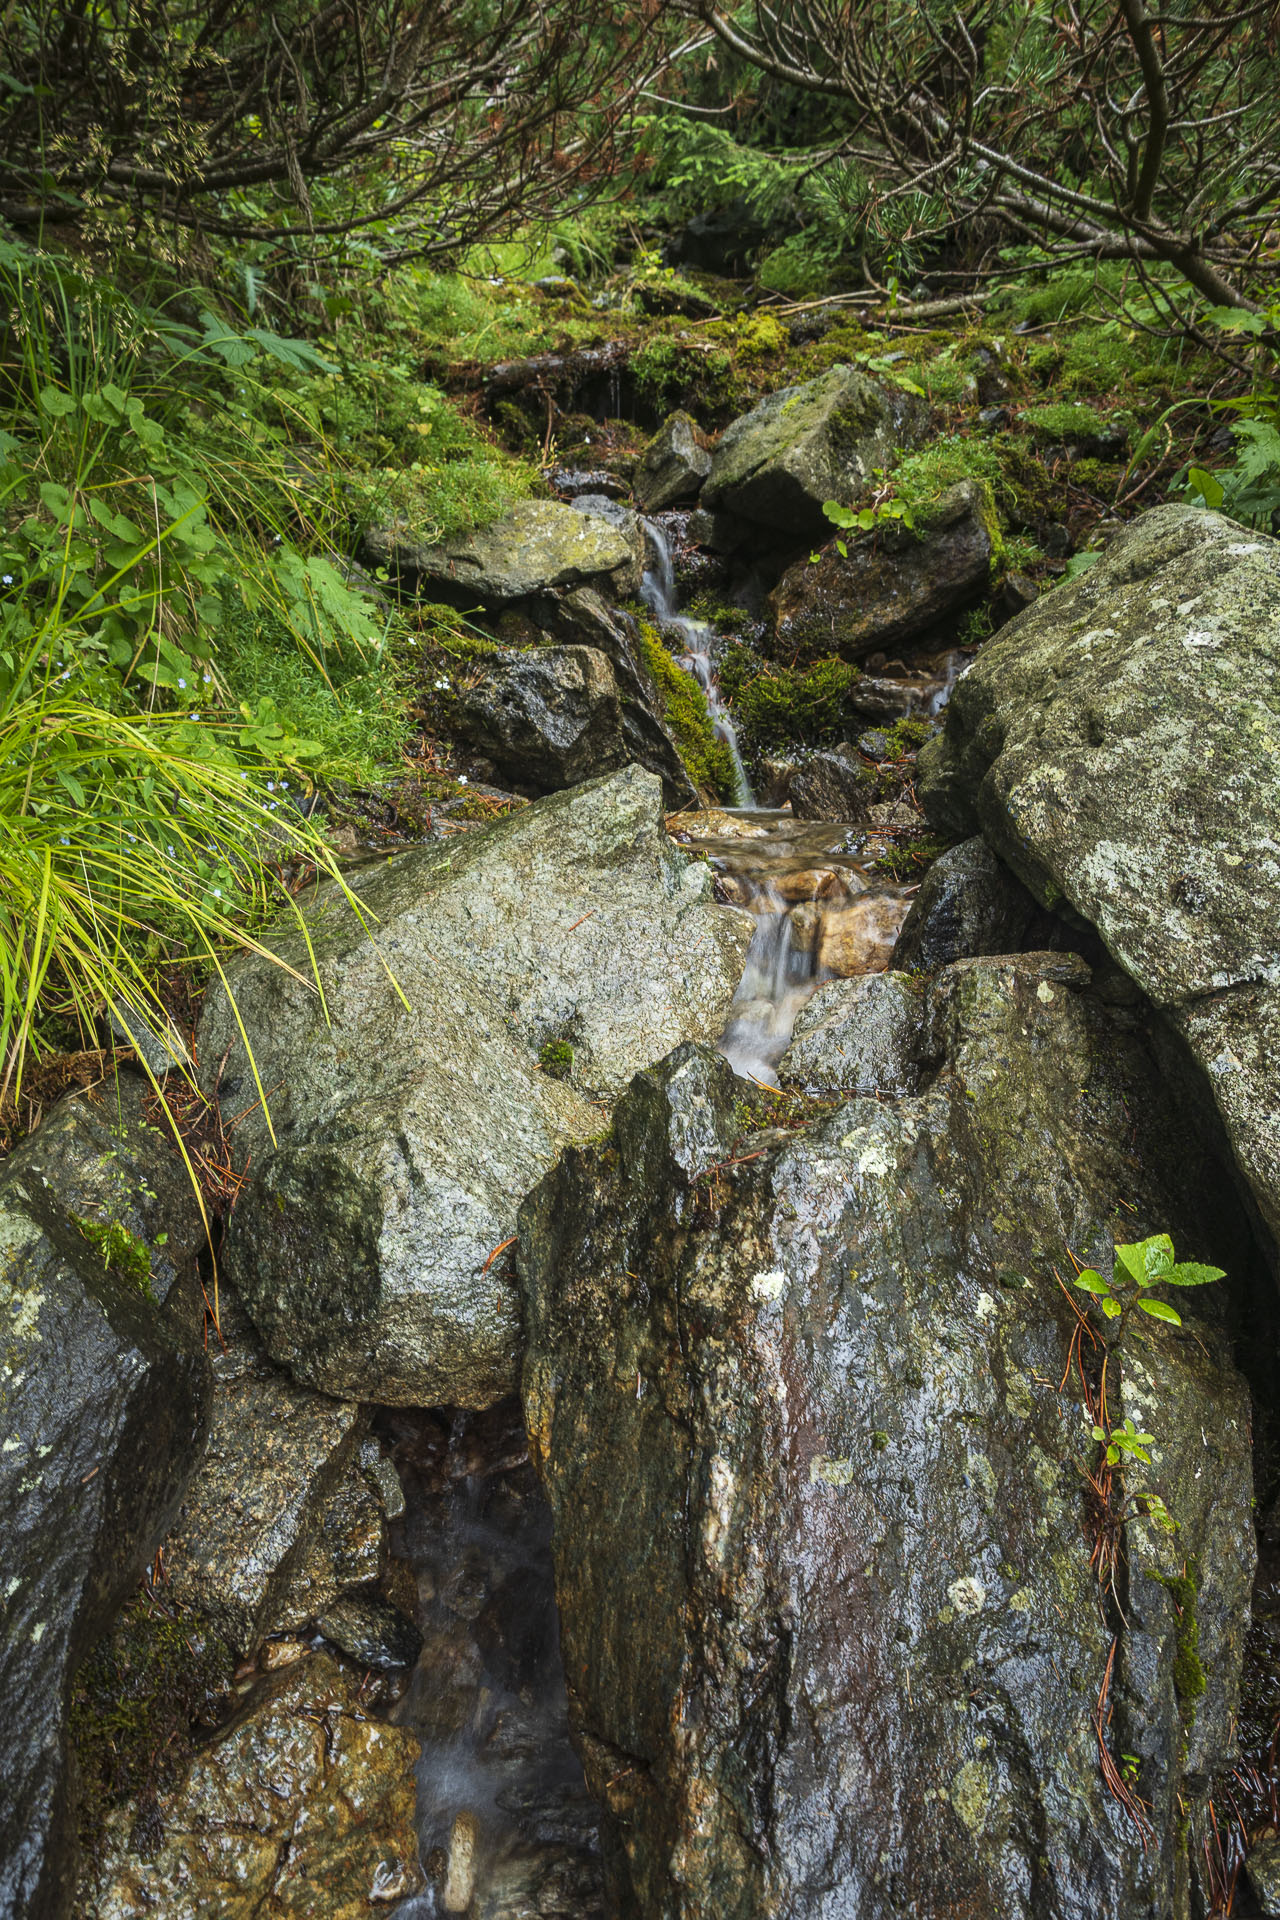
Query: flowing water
{"type": "Point", "coordinates": [505, 1825]}
{"type": "Point", "coordinates": [822, 912]}
{"type": "Point", "coordinates": [658, 591]}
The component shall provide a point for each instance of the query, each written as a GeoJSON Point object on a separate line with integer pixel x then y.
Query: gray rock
{"type": "Point", "coordinates": [833, 1637]}
{"type": "Point", "coordinates": [244, 1547]}
{"type": "Point", "coordinates": [968, 904]}
{"type": "Point", "coordinates": [366, 1247]}
{"type": "Point", "coordinates": [861, 1035]}
{"type": "Point", "coordinates": [372, 1631]}
{"type": "Point", "coordinates": [547, 717]}
{"type": "Point", "coordinates": [831, 784]}
{"type": "Point", "coordinates": [102, 1387]}
{"type": "Point", "coordinates": [1116, 745]}
{"type": "Point", "coordinates": [777, 464]}
{"type": "Point", "coordinates": [673, 466]}
{"type": "Point", "coordinates": [889, 586]}
{"type": "Point", "coordinates": [583, 618]}
{"type": "Point", "coordinates": [540, 545]}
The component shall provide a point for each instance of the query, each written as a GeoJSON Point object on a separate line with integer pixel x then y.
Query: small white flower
{"type": "Point", "coordinates": [207, 678]}
{"type": "Point", "coordinates": [172, 854]}
{"type": "Point", "coordinates": [271, 786]}
{"type": "Point", "coordinates": [462, 779]}
{"type": "Point", "coordinates": [285, 785]}
{"type": "Point", "coordinates": [442, 686]}
{"type": "Point", "coordinates": [217, 893]}
{"type": "Point", "coordinates": [7, 581]}
{"type": "Point", "coordinates": [182, 683]}
{"type": "Point", "coordinates": [64, 840]}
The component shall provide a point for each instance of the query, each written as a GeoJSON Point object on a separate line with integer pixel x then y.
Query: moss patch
{"type": "Point", "coordinates": [556, 1059]}
{"type": "Point", "coordinates": [685, 710]}
{"type": "Point", "coordinates": [1189, 1678]}
{"type": "Point", "coordinates": [122, 1253]}
{"type": "Point", "coordinates": [137, 1707]}
{"type": "Point", "coordinates": [785, 706]}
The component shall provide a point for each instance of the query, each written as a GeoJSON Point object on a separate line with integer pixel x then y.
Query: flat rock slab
{"type": "Point", "coordinates": [1118, 744]}
{"type": "Point", "coordinates": [833, 1638]}
{"type": "Point", "coordinates": [367, 1248]}
{"type": "Point", "coordinates": [540, 545]}
{"type": "Point", "coordinates": [102, 1392]}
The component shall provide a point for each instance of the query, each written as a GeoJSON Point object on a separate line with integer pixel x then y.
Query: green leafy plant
{"type": "Point", "coordinates": [1141, 1268]}
{"type": "Point", "coordinates": [881, 512]}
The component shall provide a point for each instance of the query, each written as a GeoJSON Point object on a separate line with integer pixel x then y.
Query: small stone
{"type": "Point", "coordinates": [460, 1878]}
{"type": "Point", "coordinates": [372, 1631]}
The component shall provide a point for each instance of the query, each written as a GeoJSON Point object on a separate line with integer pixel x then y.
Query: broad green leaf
{"type": "Point", "coordinates": [1189, 1273]}
{"type": "Point", "coordinates": [1112, 1308]}
{"type": "Point", "coordinates": [1092, 1282]}
{"type": "Point", "coordinates": [56, 403]}
{"type": "Point", "coordinates": [1159, 1311]}
{"type": "Point", "coordinates": [1207, 485]}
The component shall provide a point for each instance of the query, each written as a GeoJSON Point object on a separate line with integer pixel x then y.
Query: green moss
{"type": "Point", "coordinates": [1189, 1680]}
{"type": "Point", "coordinates": [122, 1253]}
{"type": "Point", "coordinates": [905, 737]}
{"type": "Point", "coordinates": [1066, 420]}
{"type": "Point", "coordinates": [785, 706]}
{"type": "Point", "coordinates": [137, 1705]}
{"type": "Point", "coordinates": [556, 1059]}
{"type": "Point", "coordinates": [1100, 476]}
{"type": "Point", "coordinates": [685, 710]}
{"type": "Point", "coordinates": [922, 477]}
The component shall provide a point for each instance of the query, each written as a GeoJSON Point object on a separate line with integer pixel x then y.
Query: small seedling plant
{"type": "Point", "coordinates": [1139, 1269]}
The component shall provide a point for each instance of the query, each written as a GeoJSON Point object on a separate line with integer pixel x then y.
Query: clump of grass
{"type": "Point", "coordinates": [556, 1059]}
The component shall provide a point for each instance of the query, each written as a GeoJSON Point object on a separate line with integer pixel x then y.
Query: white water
{"type": "Point", "coordinates": [658, 591]}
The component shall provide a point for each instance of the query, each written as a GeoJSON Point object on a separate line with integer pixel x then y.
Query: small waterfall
{"type": "Point", "coordinates": [658, 591]}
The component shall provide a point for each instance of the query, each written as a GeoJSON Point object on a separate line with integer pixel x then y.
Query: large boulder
{"type": "Point", "coordinates": [302, 1807]}
{"type": "Point", "coordinates": [777, 464]}
{"type": "Point", "coordinates": [890, 586]}
{"type": "Point", "coordinates": [408, 1125]}
{"type": "Point", "coordinates": [1117, 746]}
{"type": "Point", "coordinates": [541, 544]}
{"type": "Point", "coordinates": [835, 1641]}
{"type": "Point", "coordinates": [102, 1388]}
{"type": "Point", "coordinates": [583, 618]}
{"type": "Point", "coordinates": [673, 466]}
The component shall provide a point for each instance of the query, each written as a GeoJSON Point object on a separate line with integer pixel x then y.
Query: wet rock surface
{"type": "Point", "coordinates": [547, 717]}
{"type": "Point", "coordinates": [833, 1639]}
{"type": "Point", "coordinates": [1115, 746]}
{"type": "Point", "coordinates": [301, 1806]}
{"type": "Point", "coordinates": [969, 904]}
{"type": "Point", "coordinates": [102, 1393]}
{"type": "Point", "coordinates": [861, 1035]}
{"type": "Point", "coordinates": [540, 545]}
{"type": "Point", "coordinates": [281, 1516]}
{"type": "Point", "coordinates": [890, 586]}
{"type": "Point", "coordinates": [367, 1247]}
{"type": "Point", "coordinates": [802, 445]}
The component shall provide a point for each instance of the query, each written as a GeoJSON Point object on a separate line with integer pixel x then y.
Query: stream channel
{"type": "Point", "coordinates": [506, 1828]}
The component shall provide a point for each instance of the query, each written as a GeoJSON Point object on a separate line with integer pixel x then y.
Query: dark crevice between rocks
{"type": "Point", "coordinates": [504, 1819]}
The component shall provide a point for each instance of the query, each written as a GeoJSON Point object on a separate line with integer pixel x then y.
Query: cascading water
{"type": "Point", "coordinates": [658, 591]}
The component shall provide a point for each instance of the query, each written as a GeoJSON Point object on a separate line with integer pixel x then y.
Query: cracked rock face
{"type": "Point", "coordinates": [1118, 744]}
{"type": "Point", "coordinates": [832, 1637]}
